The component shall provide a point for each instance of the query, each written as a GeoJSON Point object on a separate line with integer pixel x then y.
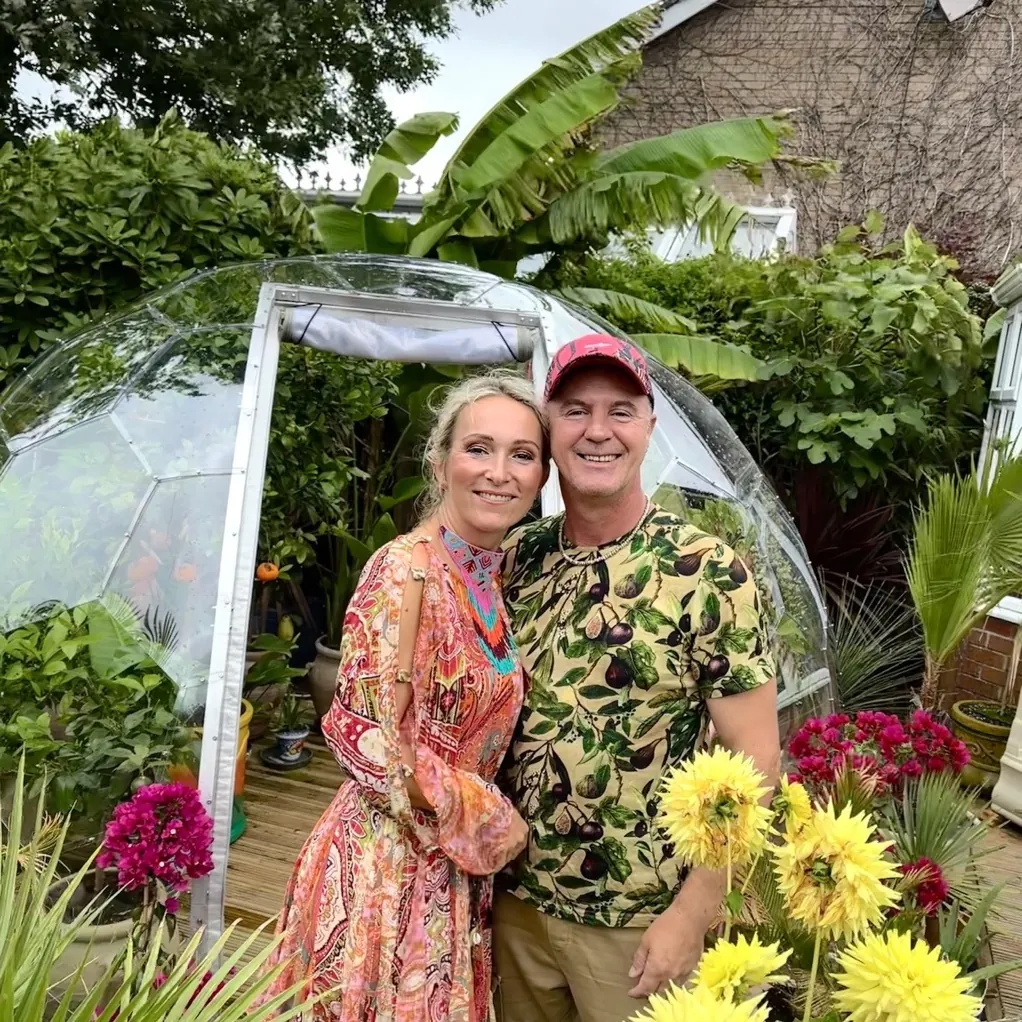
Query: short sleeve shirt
{"type": "Point", "coordinates": [621, 655]}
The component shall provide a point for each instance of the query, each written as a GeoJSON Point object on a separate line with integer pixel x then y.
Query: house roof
{"type": "Point", "coordinates": [677, 12]}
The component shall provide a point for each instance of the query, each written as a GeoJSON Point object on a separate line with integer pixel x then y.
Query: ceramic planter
{"type": "Point", "coordinates": [184, 773]}
{"type": "Point", "coordinates": [323, 676]}
{"type": "Point", "coordinates": [974, 723]}
{"type": "Point", "coordinates": [290, 751]}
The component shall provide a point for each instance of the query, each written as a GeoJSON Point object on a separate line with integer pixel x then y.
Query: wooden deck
{"type": "Point", "coordinates": [282, 809]}
{"type": "Point", "coordinates": [1004, 865]}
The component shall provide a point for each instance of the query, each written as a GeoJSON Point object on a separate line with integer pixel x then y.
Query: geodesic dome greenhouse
{"type": "Point", "coordinates": [132, 464]}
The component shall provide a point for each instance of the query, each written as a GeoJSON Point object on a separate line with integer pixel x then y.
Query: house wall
{"type": "Point", "coordinates": [924, 116]}
{"type": "Point", "coordinates": [981, 667]}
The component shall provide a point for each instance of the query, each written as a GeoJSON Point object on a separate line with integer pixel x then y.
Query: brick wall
{"type": "Point", "coordinates": [981, 666]}
{"type": "Point", "coordinates": [924, 116]}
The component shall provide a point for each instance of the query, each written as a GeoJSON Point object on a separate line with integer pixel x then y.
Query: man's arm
{"type": "Point", "coordinates": [671, 947]}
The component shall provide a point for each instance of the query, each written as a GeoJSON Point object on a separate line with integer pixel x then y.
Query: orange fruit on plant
{"type": "Point", "coordinates": [144, 568]}
{"type": "Point", "coordinates": [186, 573]}
{"type": "Point", "coordinates": [267, 571]}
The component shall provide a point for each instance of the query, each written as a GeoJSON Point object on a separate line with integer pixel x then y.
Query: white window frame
{"type": "Point", "coordinates": [673, 245]}
{"type": "Point", "coordinates": [1004, 415]}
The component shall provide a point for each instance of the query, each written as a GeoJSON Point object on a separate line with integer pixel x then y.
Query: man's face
{"type": "Point", "coordinates": [600, 425]}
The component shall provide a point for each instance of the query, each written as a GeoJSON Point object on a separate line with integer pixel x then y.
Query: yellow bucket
{"type": "Point", "coordinates": [182, 773]}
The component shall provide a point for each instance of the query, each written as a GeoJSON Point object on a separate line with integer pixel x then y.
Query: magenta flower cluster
{"type": "Point", "coordinates": [163, 834]}
{"type": "Point", "coordinates": [876, 744]}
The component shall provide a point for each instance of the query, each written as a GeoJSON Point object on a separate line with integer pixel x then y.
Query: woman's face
{"type": "Point", "coordinates": [494, 470]}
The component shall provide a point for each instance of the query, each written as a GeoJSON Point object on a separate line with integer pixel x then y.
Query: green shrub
{"type": "Point", "coordinates": [876, 372]}
{"type": "Point", "coordinates": [91, 222]}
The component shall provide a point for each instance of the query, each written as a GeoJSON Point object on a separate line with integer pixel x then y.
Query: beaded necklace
{"type": "Point", "coordinates": [480, 571]}
{"type": "Point", "coordinates": [600, 553]}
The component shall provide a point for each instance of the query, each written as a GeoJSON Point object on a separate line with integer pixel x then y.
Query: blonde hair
{"type": "Point", "coordinates": [497, 383]}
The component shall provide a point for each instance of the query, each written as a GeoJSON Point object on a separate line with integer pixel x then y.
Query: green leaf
{"type": "Point", "coordinates": [542, 124]}
{"type": "Point", "coordinates": [701, 356]}
{"type": "Point", "coordinates": [406, 489]}
{"type": "Point", "coordinates": [348, 230]}
{"type": "Point", "coordinates": [734, 902]}
{"type": "Point", "coordinates": [403, 147]}
{"type": "Point", "coordinates": [625, 306]}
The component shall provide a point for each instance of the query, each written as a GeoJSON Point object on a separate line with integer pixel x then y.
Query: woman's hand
{"type": "Point", "coordinates": [518, 837]}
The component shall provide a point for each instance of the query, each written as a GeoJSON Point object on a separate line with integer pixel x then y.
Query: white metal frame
{"type": "Point", "coordinates": [241, 535]}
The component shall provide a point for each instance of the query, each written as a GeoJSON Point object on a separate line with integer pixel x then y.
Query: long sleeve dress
{"type": "Point", "coordinates": [390, 904]}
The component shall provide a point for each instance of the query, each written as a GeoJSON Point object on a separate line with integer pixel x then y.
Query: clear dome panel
{"type": "Point", "coordinates": [67, 505]}
{"type": "Point", "coordinates": [181, 413]}
{"type": "Point", "coordinates": [113, 512]}
{"type": "Point", "coordinates": [225, 296]}
{"type": "Point", "coordinates": [78, 380]}
{"type": "Point", "coordinates": [168, 574]}
{"type": "Point", "coordinates": [713, 481]}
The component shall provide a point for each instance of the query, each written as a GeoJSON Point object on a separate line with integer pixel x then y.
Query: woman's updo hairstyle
{"type": "Point", "coordinates": [499, 383]}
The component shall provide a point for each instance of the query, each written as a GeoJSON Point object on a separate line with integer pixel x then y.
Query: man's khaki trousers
{"type": "Point", "coordinates": [550, 970]}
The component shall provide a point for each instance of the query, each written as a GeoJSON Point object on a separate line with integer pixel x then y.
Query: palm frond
{"type": "Point", "coordinates": [401, 150]}
{"type": "Point", "coordinates": [876, 646]}
{"type": "Point", "coordinates": [695, 152]}
{"type": "Point", "coordinates": [351, 230]}
{"type": "Point", "coordinates": [948, 563]}
{"type": "Point", "coordinates": [545, 124]}
{"type": "Point", "coordinates": [933, 819]}
{"type": "Point", "coordinates": [702, 356]}
{"type": "Point", "coordinates": [627, 307]}
{"type": "Point", "coordinates": [599, 53]}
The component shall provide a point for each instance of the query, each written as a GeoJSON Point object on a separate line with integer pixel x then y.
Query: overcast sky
{"type": "Point", "coordinates": [488, 55]}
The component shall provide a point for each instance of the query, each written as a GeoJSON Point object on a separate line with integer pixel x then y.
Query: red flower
{"type": "Point", "coordinates": [163, 833]}
{"type": "Point", "coordinates": [931, 889]}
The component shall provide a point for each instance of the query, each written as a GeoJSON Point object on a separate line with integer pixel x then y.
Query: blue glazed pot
{"type": "Point", "coordinates": [290, 744]}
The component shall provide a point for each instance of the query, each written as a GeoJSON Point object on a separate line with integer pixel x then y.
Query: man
{"type": "Point", "coordinates": [636, 630]}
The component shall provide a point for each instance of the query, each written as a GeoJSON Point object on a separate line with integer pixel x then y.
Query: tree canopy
{"type": "Point", "coordinates": [290, 76]}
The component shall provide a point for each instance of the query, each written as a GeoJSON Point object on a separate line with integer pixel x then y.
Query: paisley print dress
{"type": "Point", "coordinates": [390, 905]}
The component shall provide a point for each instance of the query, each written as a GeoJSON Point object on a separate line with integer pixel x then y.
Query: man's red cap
{"type": "Point", "coordinates": [595, 347]}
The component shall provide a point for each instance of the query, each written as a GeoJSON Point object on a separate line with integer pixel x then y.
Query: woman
{"type": "Point", "coordinates": [389, 904]}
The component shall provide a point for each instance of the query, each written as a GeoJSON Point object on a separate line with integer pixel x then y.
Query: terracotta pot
{"type": "Point", "coordinates": [323, 676]}
{"type": "Point", "coordinates": [973, 723]}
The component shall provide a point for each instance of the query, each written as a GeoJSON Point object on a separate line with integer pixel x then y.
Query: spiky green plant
{"type": "Point", "coordinates": [876, 645]}
{"type": "Point", "coordinates": [34, 935]}
{"type": "Point", "coordinates": [933, 819]}
{"type": "Point", "coordinates": [965, 556]}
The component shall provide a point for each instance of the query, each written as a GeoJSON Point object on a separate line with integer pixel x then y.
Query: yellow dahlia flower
{"type": "Point", "coordinates": [792, 802]}
{"type": "Point", "coordinates": [731, 970]}
{"type": "Point", "coordinates": [712, 797]}
{"type": "Point", "coordinates": [698, 1004]}
{"type": "Point", "coordinates": [831, 874]}
{"type": "Point", "coordinates": [888, 978]}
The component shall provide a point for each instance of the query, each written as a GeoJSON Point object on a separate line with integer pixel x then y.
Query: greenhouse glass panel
{"type": "Point", "coordinates": [132, 460]}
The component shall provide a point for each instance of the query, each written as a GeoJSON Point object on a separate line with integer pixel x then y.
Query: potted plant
{"type": "Point", "coordinates": [154, 845]}
{"type": "Point", "coordinates": [39, 928]}
{"type": "Point", "coordinates": [965, 556]}
{"type": "Point", "coordinates": [290, 730]}
{"type": "Point", "coordinates": [268, 676]}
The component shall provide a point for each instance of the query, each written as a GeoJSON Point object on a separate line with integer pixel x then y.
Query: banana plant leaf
{"type": "Point", "coordinates": [702, 356]}
{"type": "Point", "coordinates": [398, 153]}
{"type": "Point", "coordinates": [350, 230]}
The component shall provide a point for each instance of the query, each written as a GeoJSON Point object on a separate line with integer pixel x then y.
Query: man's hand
{"type": "Point", "coordinates": [672, 946]}
{"type": "Point", "coordinates": [669, 951]}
